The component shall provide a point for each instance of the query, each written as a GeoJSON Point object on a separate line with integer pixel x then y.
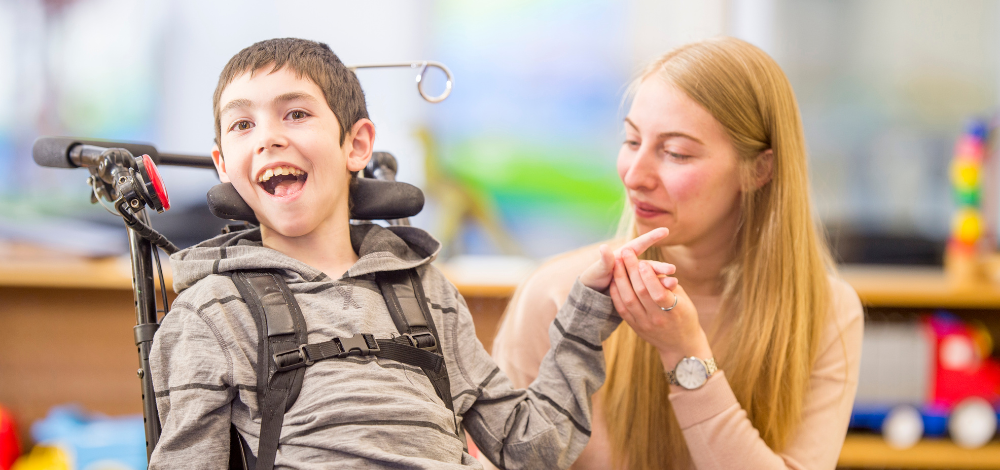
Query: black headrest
{"type": "Point", "coordinates": [371, 199]}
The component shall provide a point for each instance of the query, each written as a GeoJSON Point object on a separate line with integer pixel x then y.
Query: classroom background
{"type": "Point", "coordinates": [518, 164]}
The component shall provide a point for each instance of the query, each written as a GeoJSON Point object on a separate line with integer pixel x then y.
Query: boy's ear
{"type": "Point", "coordinates": [220, 164]}
{"type": "Point", "coordinates": [361, 141]}
{"type": "Point", "coordinates": [764, 168]}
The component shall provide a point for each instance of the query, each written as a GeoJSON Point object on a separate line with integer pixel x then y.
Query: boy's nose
{"type": "Point", "coordinates": [271, 138]}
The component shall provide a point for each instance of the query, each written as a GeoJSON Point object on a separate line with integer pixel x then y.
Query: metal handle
{"type": "Point", "coordinates": [420, 77]}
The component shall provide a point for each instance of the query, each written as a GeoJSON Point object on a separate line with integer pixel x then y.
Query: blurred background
{"type": "Point", "coordinates": [518, 164]}
{"type": "Point", "coordinates": [520, 159]}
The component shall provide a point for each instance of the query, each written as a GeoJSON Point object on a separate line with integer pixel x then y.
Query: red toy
{"type": "Point", "coordinates": [10, 450]}
{"type": "Point", "coordinates": [928, 378]}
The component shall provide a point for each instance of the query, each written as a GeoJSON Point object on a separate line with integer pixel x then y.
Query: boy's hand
{"type": "Point", "coordinates": [598, 276]}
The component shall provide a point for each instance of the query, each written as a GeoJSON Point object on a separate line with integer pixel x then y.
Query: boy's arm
{"type": "Point", "coordinates": [192, 375]}
{"type": "Point", "coordinates": [548, 424]}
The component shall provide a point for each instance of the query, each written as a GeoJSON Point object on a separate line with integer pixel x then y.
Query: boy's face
{"type": "Point", "coordinates": [281, 150]}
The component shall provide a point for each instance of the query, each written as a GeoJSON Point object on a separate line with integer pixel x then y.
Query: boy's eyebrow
{"type": "Point", "coordinates": [237, 103]}
{"type": "Point", "coordinates": [668, 134]}
{"type": "Point", "coordinates": [293, 95]}
{"type": "Point", "coordinates": [245, 103]}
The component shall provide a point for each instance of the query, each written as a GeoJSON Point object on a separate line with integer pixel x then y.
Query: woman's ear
{"type": "Point", "coordinates": [220, 164]}
{"type": "Point", "coordinates": [763, 168]}
{"type": "Point", "coordinates": [362, 141]}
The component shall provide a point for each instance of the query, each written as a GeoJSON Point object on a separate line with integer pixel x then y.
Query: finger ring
{"type": "Point", "coordinates": [670, 307]}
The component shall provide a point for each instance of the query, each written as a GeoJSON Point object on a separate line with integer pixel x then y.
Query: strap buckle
{"type": "Point", "coordinates": [357, 345]}
{"type": "Point", "coordinates": [423, 340]}
{"type": "Point", "coordinates": [293, 359]}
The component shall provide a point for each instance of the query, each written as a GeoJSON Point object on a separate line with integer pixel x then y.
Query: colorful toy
{"type": "Point", "coordinates": [10, 449]}
{"type": "Point", "coordinates": [70, 439]}
{"type": "Point", "coordinates": [930, 377]}
{"type": "Point", "coordinates": [966, 168]}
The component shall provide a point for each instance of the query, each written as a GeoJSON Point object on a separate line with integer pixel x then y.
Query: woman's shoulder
{"type": "Point", "coordinates": [845, 325]}
{"type": "Point", "coordinates": [845, 303]}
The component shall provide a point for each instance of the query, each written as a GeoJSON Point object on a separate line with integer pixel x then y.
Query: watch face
{"type": "Point", "coordinates": [691, 373]}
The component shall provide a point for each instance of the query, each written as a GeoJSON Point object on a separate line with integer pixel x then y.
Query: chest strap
{"type": "Point", "coordinates": [399, 349]}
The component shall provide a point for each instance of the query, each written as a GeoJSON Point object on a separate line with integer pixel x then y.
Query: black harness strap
{"type": "Point", "coordinates": [281, 326]}
{"type": "Point", "coordinates": [404, 296]}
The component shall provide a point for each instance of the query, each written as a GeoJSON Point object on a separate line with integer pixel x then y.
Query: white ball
{"type": "Point", "coordinates": [972, 423]}
{"type": "Point", "coordinates": [903, 427]}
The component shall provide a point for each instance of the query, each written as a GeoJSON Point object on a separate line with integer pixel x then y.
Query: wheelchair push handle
{"type": "Point", "coordinates": [58, 152]}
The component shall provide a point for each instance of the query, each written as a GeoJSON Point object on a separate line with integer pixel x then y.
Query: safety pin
{"type": "Point", "coordinates": [423, 64]}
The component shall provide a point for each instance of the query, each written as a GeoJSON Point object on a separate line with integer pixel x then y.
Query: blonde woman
{"type": "Point", "coordinates": [750, 358]}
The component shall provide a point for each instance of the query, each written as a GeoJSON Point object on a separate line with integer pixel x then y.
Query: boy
{"type": "Point", "coordinates": [292, 130]}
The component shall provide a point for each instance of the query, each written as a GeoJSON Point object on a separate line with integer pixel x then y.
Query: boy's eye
{"type": "Point", "coordinates": [241, 125]}
{"type": "Point", "coordinates": [297, 114]}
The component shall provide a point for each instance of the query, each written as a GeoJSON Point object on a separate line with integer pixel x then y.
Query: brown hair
{"type": "Point", "coordinates": [776, 295]}
{"type": "Point", "coordinates": [314, 60]}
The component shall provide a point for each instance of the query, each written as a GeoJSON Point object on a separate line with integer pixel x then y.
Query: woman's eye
{"type": "Point", "coordinates": [296, 115]}
{"type": "Point", "coordinates": [632, 143]}
{"type": "Point", "coordinates": [241, 125]}
{"type": "Point", "coordinates": [678, 156]}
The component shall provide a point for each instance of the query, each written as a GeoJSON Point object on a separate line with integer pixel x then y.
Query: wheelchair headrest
{"type": "Point", "coordinates": [371, 199]}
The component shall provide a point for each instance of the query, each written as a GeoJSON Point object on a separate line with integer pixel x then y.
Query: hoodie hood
{"type": "Point", "coordinates": [378, 248]}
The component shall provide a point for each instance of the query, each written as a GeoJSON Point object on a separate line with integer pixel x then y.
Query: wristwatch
{"type": "Point", "coordinates": [691, 372]}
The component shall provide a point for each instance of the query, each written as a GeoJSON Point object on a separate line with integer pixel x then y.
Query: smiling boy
{"type": "Point", "coordinates": [292, 129]}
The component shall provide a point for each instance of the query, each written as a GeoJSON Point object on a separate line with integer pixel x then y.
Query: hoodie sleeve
{"type": "Point", "coordinates": [192, 371]}
{"type": "Point", "coordinates": [548, 424]}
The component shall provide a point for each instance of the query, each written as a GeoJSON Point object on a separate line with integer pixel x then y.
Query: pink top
{"type": "Point", "coordinates": [716, 427]}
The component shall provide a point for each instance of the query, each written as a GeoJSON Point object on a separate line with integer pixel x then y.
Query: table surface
{"type": "Point", "coordinates": [882, 286]}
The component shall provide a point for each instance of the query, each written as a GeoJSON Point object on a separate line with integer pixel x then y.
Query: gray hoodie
{"type": "Point", "coordinates": [364, 412]}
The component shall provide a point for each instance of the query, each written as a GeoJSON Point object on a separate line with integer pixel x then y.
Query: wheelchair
{"type": "Point", "coordinates": [131, 184]}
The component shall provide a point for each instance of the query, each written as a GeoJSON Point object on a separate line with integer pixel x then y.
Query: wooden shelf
{"type": "Point", "coordinates": [919, 287]}
{"type": "Point", "coordinates": [871, 451]}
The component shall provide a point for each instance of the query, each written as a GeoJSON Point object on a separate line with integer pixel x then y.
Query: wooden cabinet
{"type": "Point", "coordinates": [66, 337]}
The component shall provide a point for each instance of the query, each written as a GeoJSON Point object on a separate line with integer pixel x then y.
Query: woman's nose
{"type": "Point", "coordinates": [272, 136]}
{"type": "Point", "coordinates": [641, 173]}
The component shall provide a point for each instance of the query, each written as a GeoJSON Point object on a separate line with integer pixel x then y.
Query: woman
{"type": "Point", "coordinates": [714, 152]}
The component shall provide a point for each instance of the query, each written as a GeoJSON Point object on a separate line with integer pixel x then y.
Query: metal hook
{"type": "Point", "coordinates": [420, 77]}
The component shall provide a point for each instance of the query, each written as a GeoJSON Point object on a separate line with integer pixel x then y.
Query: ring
{"type": "Point", "coordinates": [670, 307]}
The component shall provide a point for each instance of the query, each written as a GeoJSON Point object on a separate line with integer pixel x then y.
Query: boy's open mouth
{"type": "Point", "coordinates": [282, 180]}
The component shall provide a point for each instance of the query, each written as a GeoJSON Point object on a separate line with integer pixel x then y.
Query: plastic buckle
{"type": "Point", "coordinates": [357, 345]}
{"type": "Point", "coordinates": [416, 338]}
{"type": "Point", "coordinates": [292, 359]}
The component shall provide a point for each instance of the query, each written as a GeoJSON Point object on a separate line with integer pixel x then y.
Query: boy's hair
{"type": "Point", "coordinates": [314, 60]}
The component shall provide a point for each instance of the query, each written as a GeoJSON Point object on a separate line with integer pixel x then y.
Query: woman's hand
{"type": "Point", "coordinates": [640, 297]}
{"type": "Point", "coordinates": [598, 276]}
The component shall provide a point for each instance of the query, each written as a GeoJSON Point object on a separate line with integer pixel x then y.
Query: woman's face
{"type": "Point", "coordinates": [678, 166]}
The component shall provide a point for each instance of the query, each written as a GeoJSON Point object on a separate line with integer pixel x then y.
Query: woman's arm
{"type": "Point", "coordinates": [716, 428]}
{"type": "Point", "coordinates": [719, 434]}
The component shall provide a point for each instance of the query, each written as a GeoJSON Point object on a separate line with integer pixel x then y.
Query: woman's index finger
{"type": "Point", "coordinates": [643, 242]}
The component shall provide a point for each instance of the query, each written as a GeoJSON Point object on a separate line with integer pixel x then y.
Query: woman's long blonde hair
{"type": "Point", "coordinates": [775, 298]}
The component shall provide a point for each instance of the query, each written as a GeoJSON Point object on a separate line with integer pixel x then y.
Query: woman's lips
{"type": "Point", "coordinates": [647, 211]}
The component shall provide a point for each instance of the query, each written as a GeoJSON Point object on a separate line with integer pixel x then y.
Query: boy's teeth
{"type": "Point", "coordinates": [279, 171]}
